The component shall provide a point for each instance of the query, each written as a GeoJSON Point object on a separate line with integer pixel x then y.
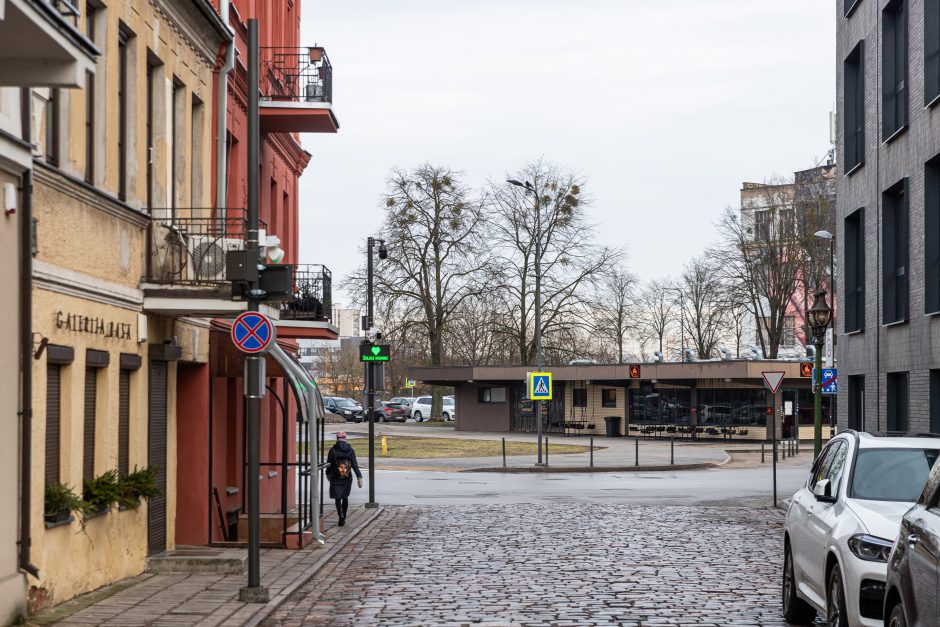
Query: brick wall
{"type": "Point", "coordinates": [912, 346]}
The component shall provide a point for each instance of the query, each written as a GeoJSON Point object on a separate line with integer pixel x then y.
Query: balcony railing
{"type": "Point", "coordinates": [313, 295]}
{"type": "Point", "coordinates": [296, 75]}
{"type": "Point", "coordinates": [187, 247]}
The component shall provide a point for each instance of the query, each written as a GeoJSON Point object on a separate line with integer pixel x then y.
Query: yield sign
{"type": "Point", "coordinates": [773, 379]}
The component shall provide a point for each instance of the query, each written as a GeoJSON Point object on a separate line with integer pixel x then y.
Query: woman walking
{"type": "Point", "coordinates": [341, 464]}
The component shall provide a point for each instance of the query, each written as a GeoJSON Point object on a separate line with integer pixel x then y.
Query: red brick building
{"type": "Point", "coordinates": [296, 95]}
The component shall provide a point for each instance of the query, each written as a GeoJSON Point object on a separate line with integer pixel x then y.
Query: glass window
{"type": "Point", "coordinates": [895, 242]}
{"type": "Point", "coordinates": [608, 397]}
{"type": "Point", "coordinates": [931, 50]}
{"type": "Point", "coordinates": [854, 250]}
{"type": "Point", "coordinates": [579, 397]}
{"type": "Point", "coordinates": [892, 474]}
{"type": "Point", "coordinates": [894, 68]}
{"type": "Point", "coordinates": [820, 469]}
{"type": "Point", "coordinates": [854, 103]}
{"type": "Point", "coordinates": [897, 401]}
{"type": "Point", "coordinates": [491, 395]}
{"type": "Point", "coordinates": [837, 466]}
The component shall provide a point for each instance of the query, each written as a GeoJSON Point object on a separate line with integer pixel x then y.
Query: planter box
{"type": "Point", "coordinates": [62, 518]}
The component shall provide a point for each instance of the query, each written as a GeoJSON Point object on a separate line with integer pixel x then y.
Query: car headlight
{"type": "Point", "coordinates": [870, 548]}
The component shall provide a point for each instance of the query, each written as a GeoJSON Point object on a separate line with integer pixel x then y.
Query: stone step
{"type": "Point", "coordinates": [204, 560]}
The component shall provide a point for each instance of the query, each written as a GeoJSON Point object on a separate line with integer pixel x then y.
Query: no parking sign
{"type": "Point", "coordinates": [253, 333]}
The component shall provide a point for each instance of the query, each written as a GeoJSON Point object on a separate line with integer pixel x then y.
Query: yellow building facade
{"type": "Point", "coordinates": [135, 138]}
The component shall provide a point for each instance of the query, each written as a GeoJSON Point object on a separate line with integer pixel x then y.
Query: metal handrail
{"type": "Point", "coordinates": [296, 74]}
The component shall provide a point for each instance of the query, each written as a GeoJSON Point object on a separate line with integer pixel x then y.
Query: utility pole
{"type": "Point", "coordinates": [370, 381]}
{"type": "Point", "coordinates": [254, 365]}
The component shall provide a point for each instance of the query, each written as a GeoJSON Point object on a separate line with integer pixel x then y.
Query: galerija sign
{"type": "Point", "coordinates": [92, 325]}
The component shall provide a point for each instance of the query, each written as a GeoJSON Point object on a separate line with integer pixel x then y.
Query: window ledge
{"type": "Point", "coordinates": [855, 332]}
{"type": "Point", "coordinates": [848, 13]}
{"type": "Point", "coordinates": [890, 138]}
{"type": "Point", "coordinates": [61, 523]}
{"type": "Point", "coordinates": [895, 323]}
{"type": "Point", "coordinates": [932, 314]}
{"type": "Point", "coordinates": [933, 102]}
{"type": "Point", "coordinates": [854, 168]}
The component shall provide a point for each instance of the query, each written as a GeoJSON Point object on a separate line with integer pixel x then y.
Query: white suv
{"type": "Point", "coordinates": [842, 524]}
{"type": "Point", "coordinates": [421, 409]}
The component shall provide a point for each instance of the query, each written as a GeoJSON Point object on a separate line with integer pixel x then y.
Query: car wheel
{"type": "Point", "coordinates": [795, 609]}
{"type": "Point", "coordinates": [836, 616]}
{"type": "Point", "coordinates": [417, 416]}
{"type": "Point", "coordinates": [897, 618]}
{"type": "Point", "coordinates": [446, 416]}
{"type": "Point", "coordinates": [382, 418]}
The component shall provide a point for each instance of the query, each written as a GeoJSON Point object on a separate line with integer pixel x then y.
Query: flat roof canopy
{"type": "Point", "coordinates": [737, 369]}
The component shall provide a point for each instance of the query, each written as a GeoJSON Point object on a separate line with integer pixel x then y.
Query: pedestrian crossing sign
{"type": "Point", "coordinates": [540, 386]}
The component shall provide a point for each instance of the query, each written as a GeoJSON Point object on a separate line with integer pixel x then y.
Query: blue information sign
{"type": "Point", "coordinates": [830, 380]}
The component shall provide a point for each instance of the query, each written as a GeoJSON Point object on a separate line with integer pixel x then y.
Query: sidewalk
{"type": "Point", "coordinates": [202, 599]}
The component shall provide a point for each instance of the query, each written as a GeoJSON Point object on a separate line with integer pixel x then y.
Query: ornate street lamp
{"type": "Point", "coordinates": [819, 317]}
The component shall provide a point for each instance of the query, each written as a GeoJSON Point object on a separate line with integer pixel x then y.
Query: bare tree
{"type": "Point", "coordinates": [553, 215]}
{"type": "Point", "coordinates": [474, 336]}
{"type": "Point", "coordinates": [613, 308]}
{"type": "Point", "coordinates": [760, 251]}
{"type": "Point", "coordinates": [655, 310]}
{"type": "Point", "coordinates": [705, 306]}
{"type": "Point", "coordinates": [434, 235]}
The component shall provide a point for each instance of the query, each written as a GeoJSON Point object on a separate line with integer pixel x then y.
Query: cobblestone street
{"type": "Point", "coordinates": [551, 565]}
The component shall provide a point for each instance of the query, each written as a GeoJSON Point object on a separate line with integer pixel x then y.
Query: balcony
{"type": "Point", "coordinates": [297, 91]}
{"type": "Point", "coordinates": [42, 46]}
{"type": "Point", "coordinates": [307, 314]}
{"type": "Point", "coordinates": [185, 271]}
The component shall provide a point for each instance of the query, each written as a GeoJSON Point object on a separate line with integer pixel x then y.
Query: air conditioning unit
{"type": "Point", "coordinates": [207, 256]}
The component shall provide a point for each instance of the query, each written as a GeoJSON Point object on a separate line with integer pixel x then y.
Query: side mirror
{"type": "Point", "coordinates": [823, 490]}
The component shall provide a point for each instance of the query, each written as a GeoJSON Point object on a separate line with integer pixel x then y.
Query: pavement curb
{"type": "Point", "coordinates": [309, 574]}
{"type": "Point", "coordinates": [595, 469]}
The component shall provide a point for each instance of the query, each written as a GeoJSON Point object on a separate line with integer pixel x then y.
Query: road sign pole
{"type": "Point", "coordinates": [817, 400]}
{"type": "Point", "coordinates": [253, 592]}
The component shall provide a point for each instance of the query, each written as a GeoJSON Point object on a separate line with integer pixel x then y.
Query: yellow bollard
{"type": "Point", "coordinates": [384, 445]}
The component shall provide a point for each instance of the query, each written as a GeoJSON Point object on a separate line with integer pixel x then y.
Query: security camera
{"type": "Point", "coordinates": [383, 251]}
{"type": "Point", "coordinates": [374, 335]}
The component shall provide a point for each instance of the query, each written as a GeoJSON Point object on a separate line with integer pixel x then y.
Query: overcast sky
{"type": "Point", "coordinates": [664, 107]}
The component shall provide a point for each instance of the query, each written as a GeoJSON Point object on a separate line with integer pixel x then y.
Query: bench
{"type": "Point", "coordinates": [576, 427]}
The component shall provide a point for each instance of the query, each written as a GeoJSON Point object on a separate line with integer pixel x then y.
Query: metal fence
{"type": "Point", "coordinates": [296, 74]}
{"type": "Point", "coordinates": [313, 294]}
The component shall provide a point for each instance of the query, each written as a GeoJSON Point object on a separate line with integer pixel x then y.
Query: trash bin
{"type": "Point", "coordinates": [613, 426]}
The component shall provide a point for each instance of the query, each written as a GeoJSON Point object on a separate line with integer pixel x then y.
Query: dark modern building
{"type": "Point", "coordinates": [888, 214]}
{"type": "Point", "coordinates": [707, 399]}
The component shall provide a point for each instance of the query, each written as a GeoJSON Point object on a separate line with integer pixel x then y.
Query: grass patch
{"type": "Point", "coordinates": [435, 448]}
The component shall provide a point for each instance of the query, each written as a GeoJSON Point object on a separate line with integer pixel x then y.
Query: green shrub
{"type": "Point", "coordinates": [100, 492]}
{"type": "Point", "coordinates": [140, 484]}
{"type": "Point", "coordinates": [60, 497]}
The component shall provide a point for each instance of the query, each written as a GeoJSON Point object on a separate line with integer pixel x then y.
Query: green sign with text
{"type": "Point", "coordinates": [374, 352]}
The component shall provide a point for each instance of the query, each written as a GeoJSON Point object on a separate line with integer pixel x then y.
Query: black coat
{"type": "Point", "coordinates": [340, 488]}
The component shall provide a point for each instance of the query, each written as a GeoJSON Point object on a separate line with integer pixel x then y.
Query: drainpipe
{"type": "Point", "coordinates": [221, 175]}
{"type": "Point", "coordinates": [26, 344]}
{"type": "Point", "coordinates": [311, 412]}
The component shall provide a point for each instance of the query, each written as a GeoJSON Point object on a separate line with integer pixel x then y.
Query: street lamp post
{"type": "Point", "coordinates": [370, 366]}
{"type": "Point", "coordinates": [819, 315]}
{"type": "Point", "coordinates": [832, 279]}
{"type": "Point", "coordinates": [529, 188]}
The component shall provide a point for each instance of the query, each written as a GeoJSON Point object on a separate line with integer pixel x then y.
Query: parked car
{"type": "Point", "coordinates": [421, 408]}
{"type": "Point", "coordinates": [348, 409]}
{"type": "Point", "coordinates": [405, 401]}
{"type": "Point", "coordinates": [388, 411]}
{"type": "Point", "coordinates": [914, 563]}
{"type": "Point", "coordinates": [842, 523]}
{"type": "Point", "coordinates": [450, 409]}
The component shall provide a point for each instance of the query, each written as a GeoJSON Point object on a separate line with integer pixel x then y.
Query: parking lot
{"type": "Point", "coordinates": [552, 564]}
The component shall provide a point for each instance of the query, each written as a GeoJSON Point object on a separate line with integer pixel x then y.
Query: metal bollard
{"type": "Point", "coordinates": [783, 451]}
{"type": "Point", "coordinates": [672, 451]}
{"type": "Point", "coordinates": [592, 451]}
{"type": "Point", "coordinates": [762, 452]}
{"type": "Point", "coordinates": [504, 452]}
{"type": "Point", "coordinates": [637, 441]}
{"type": "Point", "coordinates": [546, 451]}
